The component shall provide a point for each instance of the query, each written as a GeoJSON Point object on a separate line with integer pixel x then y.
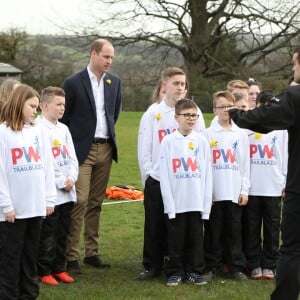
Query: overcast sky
{"type": "Point", "coordinates": [44, 16]}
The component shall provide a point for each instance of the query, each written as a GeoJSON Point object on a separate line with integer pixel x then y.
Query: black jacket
{"type": "Point", "coordinates": [80, 111]}
{"type": "Point", "coordinates": [283, 112]}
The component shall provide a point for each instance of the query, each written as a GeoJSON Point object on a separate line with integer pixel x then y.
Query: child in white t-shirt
{"type": "Point", "coordinates": [186, 187]}
{"type": "Point", "coordinates": [55, 228]}
{"type": "Point", "coordinates": [230, 162]}
{"type": "Point", "coordinates": [268, 169]}
{"type": "Point", "coordinates": [27, 193]}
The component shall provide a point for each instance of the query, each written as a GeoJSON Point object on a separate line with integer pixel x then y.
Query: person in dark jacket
{"type": "Point", "coordinates": [283, 112]}
{"type": "Point", "coordinates": [93, 103]}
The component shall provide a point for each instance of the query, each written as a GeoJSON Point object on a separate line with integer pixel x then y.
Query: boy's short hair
{"type": "Point", "coordinates": [49, 92]}
{"type": "Point", "coordinates": [184, 104]}
{"type": "Point", "coordinates": [170, 72]}
{"type": "Point", "coordinates": [237, 83]}
{"type": "Point", "coordinates": [226, 94]}
{"type": "Point", "coordinates": [240, 96]}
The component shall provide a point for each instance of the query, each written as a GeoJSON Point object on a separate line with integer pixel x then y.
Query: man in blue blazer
{"type": "Point", "coordinates": [93, 104]}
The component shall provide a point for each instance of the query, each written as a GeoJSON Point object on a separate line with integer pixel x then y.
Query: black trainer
{"type": "Point", "coordinates": [95, 262]}
{"type": "Point", "coordinates": [73, 267]}
{"type": "Point", "coordinates": [196, 278]}
{"type": "Point", "coordinates": [174, 280]}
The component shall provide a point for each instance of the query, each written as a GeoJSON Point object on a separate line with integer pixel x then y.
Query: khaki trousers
{"type": "Point", "coordinates": [90, 187]}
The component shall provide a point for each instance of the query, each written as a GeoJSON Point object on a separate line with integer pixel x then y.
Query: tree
{"type": "Point", "coordinates": [44, 64]}
{"type": "Point", "coordinates": [10, 43]}
{"type": "Point", "coordinates": [220, 37]}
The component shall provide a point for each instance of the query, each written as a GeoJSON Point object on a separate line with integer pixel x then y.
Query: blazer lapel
{"type": "Point", "coordinates": [88, 87]}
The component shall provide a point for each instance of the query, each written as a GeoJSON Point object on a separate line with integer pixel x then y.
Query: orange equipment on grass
{"type": "Point", "coordinates": [124, 192]}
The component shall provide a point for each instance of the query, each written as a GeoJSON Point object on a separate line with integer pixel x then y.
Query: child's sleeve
{"type": "Point", "coordinates": [165, 182]}
{"type": "Point", "coordinates": [146, 144]}
{"type": "Point", "coordinates": [208, 181]}
{"type": "Point", "coordinates": [245, 163]}
{"type": "Point", "coordinates": [140, 149]}
{"type": "Point", "coordinates": [5, 199]}
{"type": "Point", "coordinates": [48, 161]}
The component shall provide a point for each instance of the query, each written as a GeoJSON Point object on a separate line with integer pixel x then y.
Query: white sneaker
{"type": "Point", "coordinates": [257, 273]}
{"type": "Point", "coordinates": [268, 274]}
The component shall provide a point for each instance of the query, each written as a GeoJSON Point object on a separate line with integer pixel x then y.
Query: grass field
{"type": "Point", "coordinates": [122, 242]}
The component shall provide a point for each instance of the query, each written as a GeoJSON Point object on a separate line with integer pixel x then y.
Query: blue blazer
{"type": "Point", "coordinates": [80, 110]}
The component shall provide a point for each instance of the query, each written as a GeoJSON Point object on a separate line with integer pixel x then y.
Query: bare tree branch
{"type": "Point", "coordinates": [205, 31]}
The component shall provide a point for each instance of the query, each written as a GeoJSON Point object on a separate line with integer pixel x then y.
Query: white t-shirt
{"type": "Point", "coordinates": [185, 174]}
{"type": "Point", "coordinates": [230, 161]}
{"type": "Point", "coordinates": [27, 183]}
{"type": "Point", "coordinates": [66, 163]}
{"type": "Point", "coordinates": [268, 162]}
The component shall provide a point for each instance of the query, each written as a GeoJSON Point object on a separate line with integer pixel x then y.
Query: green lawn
{"type": "Point", "coordinates": [122, 242]}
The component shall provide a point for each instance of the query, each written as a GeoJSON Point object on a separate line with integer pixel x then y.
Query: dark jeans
{"type": "Point", "coordinates": [54, 232]}
{"type": "Point", "coordinates": [185, 244]}
{"type": "Point", "coordinates": [288, 269]}
{"type": "Point", "coordinates": [223, 236]}
{"type": "Point", "coordinates": [263, 211]}
{"type": "Point", "coordinates": [18, 257]}
{"type": "Point", "coordinates": [155, 240]}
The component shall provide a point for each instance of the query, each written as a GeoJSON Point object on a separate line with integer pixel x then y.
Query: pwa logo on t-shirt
{"type": "Point", "coordinates": [184, 164]}
{"type": "Point", "coordinates": [163, 132]}
{"type": "Point", "coordinates": [261, 151]}
{"type": "Point", "coordinates": [223, 156]}
{"type": "Point", "coordinates": [31, 154]}
{"type": "Point", "coordinates": [60, 151]}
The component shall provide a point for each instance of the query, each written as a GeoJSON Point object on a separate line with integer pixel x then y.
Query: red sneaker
{"type": "Point", "coordinates": [48, 279]}
{"type": "Point", "coordinates": [64, 277]}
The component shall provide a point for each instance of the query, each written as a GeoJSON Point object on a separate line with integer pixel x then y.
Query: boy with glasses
{"type": "Point", "coordinates": [186, 187]}
{"type": "Point", "coordinates": [230, 162]}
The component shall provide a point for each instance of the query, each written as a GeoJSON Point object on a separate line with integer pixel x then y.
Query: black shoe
{"type": "Point", "coordinates": [73, 267]}
{"type": "Point", "coordinates": [239, 276]}
{"type": "Point", "coordinates": [196, 278]}
{"type": "Point", "coordinates": [95, 262]}
{"type": "Point", "coordinates": [174, 280]}
{"type": "Point", "coordinates": [147, 274]}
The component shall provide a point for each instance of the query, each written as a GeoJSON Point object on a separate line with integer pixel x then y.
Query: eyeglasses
{"type": "Point", "coordinates": [224, 107]}
{"type": "Point", "coordinates": [189, 116]}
